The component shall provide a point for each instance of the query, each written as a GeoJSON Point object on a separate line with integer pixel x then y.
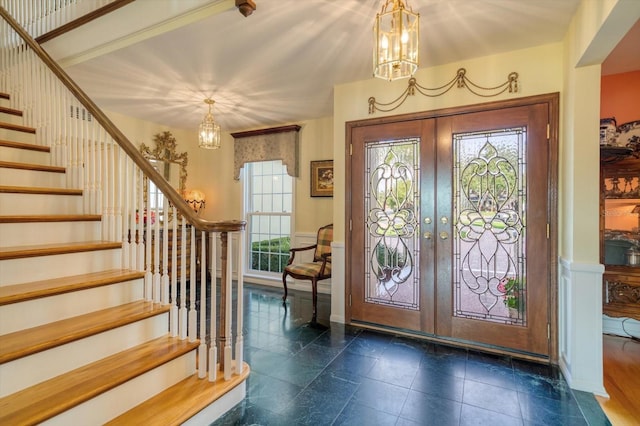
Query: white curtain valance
{"type": "Point", "coordinates": [278, 143]}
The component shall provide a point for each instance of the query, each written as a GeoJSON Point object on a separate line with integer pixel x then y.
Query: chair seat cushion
{"type": "Point", "coordinates": [309, 269]}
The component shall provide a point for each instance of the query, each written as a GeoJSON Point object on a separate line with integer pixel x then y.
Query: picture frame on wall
{"type": "Point", "coordinates": [322, 178]}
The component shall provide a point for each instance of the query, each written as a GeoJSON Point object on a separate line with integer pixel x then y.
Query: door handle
{"type": "Point", "coordinates": [427, 235]}
{"type": "Point", "coordinates": [444, 235]}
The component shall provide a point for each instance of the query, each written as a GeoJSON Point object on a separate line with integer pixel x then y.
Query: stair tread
{"type": "Point", "coordinates": [17, 127]}
{"type": "Point", "coordinates": [26, 342]}
{"type": "Point", "coordinates": [24, 145]}
{"type": "Point", "coordinates": [44, 288]}
{"type": "Point", "coordinates": [32, 166]}
{"type": "Point", "coordinates": [11, 111]}
{"type": "Point", "coordinates": [17, 252]}
{"type": "Point", "coordinates": [50, 218]}
{"type": "Point", "coordinates": [54, 396]}
{"type": "Point", "coordinates": [40, 190]}
{"type": "Point", "coordinates": [180, 402]}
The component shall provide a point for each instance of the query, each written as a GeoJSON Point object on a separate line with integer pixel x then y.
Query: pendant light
{"type": "Point", "coordinates": [396, 34]}
{"type": "Point", "coordinates": [209, 136]}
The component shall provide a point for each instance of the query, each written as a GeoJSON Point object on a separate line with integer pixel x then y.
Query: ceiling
{"type": "Point", "coordinates": [279, 65]}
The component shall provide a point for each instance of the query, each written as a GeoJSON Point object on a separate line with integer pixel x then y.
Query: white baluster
{"type": "Point", "coordinates": [202, 349]}
{"type": "Point", "coordinates": [183, 281]}
{"type": "Point", "coordinates": [227, 360]}
{"type": "Point", "coordinates": [240, 308]}
{"type": "Point", "coordinates": [193, 285]}
{"type": "Point", "coordinates": [173, 313]}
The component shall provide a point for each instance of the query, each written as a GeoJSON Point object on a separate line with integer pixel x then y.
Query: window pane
{"type": "Point", "coordinates": [257, 203]}
{"type": "Point", "coordinates": [277, 203]}
{"type": "Point", "coordinates": [277, 184]}
{"type": "Point", "coordinates": [257, 185]}
{"type": "Point", "coordinates": [267, 184]}
{"type": "Point", "coordinates": [270, 191]}
{"type": "Point", "coordinates": [287, 203]}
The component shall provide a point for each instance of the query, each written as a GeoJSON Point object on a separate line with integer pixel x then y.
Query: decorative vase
{"type": "Point", "coordinates": [513, 313]}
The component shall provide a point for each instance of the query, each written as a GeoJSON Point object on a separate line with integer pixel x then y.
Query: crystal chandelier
{"type": "Point", "coordinates": [396, 33]}
{"type": "Point", "coordinates": [209, 136]}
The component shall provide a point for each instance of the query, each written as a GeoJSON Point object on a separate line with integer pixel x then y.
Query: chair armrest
{"type": "Point", "coordinates": [293, 251]}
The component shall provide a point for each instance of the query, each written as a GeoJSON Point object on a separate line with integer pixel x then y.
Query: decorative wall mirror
{"type": "Point", "coordinates": [169, 163]}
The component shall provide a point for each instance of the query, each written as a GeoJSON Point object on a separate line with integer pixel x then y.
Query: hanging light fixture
{"type": "Point", "coordinates": [209, 137]}
{"type": "Point", "coordinates": [396, 33]}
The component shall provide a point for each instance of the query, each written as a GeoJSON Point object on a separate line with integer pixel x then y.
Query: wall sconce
{"type": "Point", "coordinates": [195, 199]}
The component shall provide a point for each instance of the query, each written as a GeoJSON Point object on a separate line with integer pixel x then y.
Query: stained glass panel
{"type": "Point", "coordinates": [489, 184]}
{"type": "Point", "coordinates": [392, 201]}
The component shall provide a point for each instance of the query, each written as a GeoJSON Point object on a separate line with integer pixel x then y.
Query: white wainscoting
{"type": "Point", "coordinates": [580, 325]}
{"type": "Point", "coordinates": [337, 275]}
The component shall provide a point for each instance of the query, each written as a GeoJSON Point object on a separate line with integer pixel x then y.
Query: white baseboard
{"type": "Point", "coordinates": [620, 326]}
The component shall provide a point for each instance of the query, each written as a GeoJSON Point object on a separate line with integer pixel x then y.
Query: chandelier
{"type": "Point", "coordinates": [209, 136]}
{"type": "Point", "coordinates": [396, 33]}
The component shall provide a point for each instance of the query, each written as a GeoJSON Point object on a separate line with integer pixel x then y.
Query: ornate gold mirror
{"type": "Point", "coordinates": [171, 164]}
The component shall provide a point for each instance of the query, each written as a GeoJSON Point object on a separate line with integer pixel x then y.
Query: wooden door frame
{"type": "Point", "coordinates": [553, 102]}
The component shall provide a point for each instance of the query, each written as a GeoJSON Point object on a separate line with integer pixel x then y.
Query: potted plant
{"type": "Point", "coordinates": [513, 295]}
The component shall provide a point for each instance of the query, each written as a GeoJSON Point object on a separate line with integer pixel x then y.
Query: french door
{"type": "Point", "coordinates": [449, 226]}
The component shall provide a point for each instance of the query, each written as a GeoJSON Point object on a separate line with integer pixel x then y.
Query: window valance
{"type": "Point", "coordinates": [277, 143]}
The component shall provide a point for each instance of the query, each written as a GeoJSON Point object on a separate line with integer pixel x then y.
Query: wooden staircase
{"type": "Point", "coordinates": [79, 344]}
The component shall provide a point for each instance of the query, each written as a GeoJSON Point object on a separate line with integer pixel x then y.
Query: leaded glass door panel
{"type": "Point", "coordinates": [448, 227]}
{"type": "Point", "coordinates": [395, 287]}
{"type": "Point", "coordinates": [493, 171]}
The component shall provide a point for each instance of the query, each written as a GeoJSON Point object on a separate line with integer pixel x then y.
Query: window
{"type": "Point", "coordinates": [268, 211]}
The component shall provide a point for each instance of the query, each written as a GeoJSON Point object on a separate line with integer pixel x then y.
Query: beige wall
{"type": "Point", "coordinates": [211, 171]}
{"type": "Point", "coordinates": [539, 70]}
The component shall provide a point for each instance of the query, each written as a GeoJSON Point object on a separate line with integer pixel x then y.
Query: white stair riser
{"type": "Point", "coordinates": [32, 233]}
{"type": "Point", "coordinates": [18, 155]}
{"type": "Point", "coordinates": [28, 371]}
{"type": "Point", "coordinates": [17, 136]}
{"type": "Point", "coordinates": [11, 118]}
{"type": "Point", "coordinates": [19, 204]}
{"type": "Point", "coordinates": [62, 306]}
{"type": "Point", "coordinates": [21, 177]}
{"type": "Point", "coordinates": [18, 271]}
{"type": "Point", "coordinates": [220, 406]}
{"type": "Point", "coordinates": [111, 404]}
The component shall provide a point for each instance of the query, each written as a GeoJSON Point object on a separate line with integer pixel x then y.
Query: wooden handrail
{"type": "Point", "coordinates": [126, 145]}
{"type": "Point", "coordinates": [70, 26]}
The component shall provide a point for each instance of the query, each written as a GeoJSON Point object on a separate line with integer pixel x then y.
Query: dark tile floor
{"type": "Point", "coordinates": [343, 375]}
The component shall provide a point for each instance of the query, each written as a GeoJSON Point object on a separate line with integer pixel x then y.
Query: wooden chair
{"type": "Point", "coordinates": [319, 269]}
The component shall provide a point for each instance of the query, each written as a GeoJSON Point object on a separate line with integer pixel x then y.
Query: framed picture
{"type": "Point", "coordinates": [322, 178]}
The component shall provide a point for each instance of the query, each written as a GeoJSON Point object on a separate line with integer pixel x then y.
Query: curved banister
{"type": "Point", "coordinates": [132, 151]}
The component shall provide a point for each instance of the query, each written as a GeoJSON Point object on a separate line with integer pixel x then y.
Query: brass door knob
{"type": "Point", "coordinates": [444, 235]}
{"type": "Point", "coordinates": [428, 235]}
